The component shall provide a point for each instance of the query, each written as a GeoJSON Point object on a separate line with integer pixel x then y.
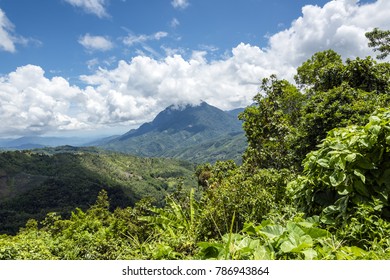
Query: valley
{"type": "Point", "coordinates": [34, 183]}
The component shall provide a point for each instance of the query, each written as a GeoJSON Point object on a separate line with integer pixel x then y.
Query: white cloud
{"type": "Point", "coordinates": [147, 85]}
{"type": "Point", "coordinates": [96, 7]}
{"type": "Point", "coordinates": [33, 104]}
{"type": "Point", "coordinates": [98, 43]}
{"type": "Point", "coordinates": [131, 40]}
{"type": "Point", "coordinates": [180, 4]}
{"type": "Point", "coordinates": [6, 40]}
{"type": "Point", "coordinates": [174, 23]}
{"type": "Point", "coordinates": [339, 25]}
{"type": "Point", "coordinates": [135, 91]}
{"type": "Point", "coordinates": [139, 89]}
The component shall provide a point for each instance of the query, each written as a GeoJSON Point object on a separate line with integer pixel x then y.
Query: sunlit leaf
{"type": "Point", "coordinates": [337, 178]}
{"type": "Point", "coordinates": [360, 175]}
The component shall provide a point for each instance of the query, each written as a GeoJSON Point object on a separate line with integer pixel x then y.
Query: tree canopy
{"type": "Point", "coordinates": [379, 40]}
{"type": "Point", "coordinates": [288, 121]}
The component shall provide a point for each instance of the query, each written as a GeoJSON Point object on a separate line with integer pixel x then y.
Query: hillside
{"type": "Point", "coordinates": [188, 132]}
{"type": "Point", "coordinates": [33, 183]}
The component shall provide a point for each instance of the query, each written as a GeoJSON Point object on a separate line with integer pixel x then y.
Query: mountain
{"type": "Point", "coordinates": [235, 112]}
{"type": "Point", "coordinates": [34, 183]}
{"type": "Point", "coordinates": [192, 119]}
{"type": "Point", "coordinates": [185, 132]}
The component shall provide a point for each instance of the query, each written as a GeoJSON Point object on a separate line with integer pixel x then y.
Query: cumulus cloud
{"type": "Point", "coordinates": [96, 43]}
{"type": "Point", "coordinates": [32, 104]}
{"type": "Point", "coordinates": [136, 90]}
{"type": "Point", "coordinates": [147, 85]}
{"type": "Point", "coordinates": [8, 39]}
{"type": "Point", "coordinates": [96, 7]}
{"type": "Point", "coordinates": [140, 88]}
{"type": "Point", "coordinates": [339, 25]}
{"type": "Point", "coordinates": [180, 4]}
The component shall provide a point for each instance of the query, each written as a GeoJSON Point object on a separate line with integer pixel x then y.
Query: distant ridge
{"type": "Point", "coordinates": [33, 142]}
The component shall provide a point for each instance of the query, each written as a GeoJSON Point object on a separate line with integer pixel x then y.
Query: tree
{"type": "Point", "coordinates": [286, 122]}
{"type": "Point", "coordinates": [270, 124]}
{"type": "Point", "coordinates": [322, 72]}
{"type": "Point", "coordinates": [380, 41]}
{"type": "Point", "coordinates": [368, 75]}
{"type": "Point", "coordinates": [341, 106]}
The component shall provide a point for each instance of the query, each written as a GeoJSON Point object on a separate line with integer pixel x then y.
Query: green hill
{"type": "Point", "coordinates": [33, 183]}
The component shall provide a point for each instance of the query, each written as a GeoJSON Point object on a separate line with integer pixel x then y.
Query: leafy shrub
{"type": "Point", "coordinates": [349, 175]}
{"type": "Point", "coordinates": [297, 239]}
{"type": "Point", "coordinates": [248, 196]}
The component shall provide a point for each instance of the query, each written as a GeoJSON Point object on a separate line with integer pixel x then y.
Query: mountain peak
{"type": "Point", "coordinates": [187, 132]}
{"type": "Point", "coordinates": [190, 118]}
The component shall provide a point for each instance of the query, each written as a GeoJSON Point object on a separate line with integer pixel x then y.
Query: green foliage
{"type": "Point", "coordinates": [285, 123]}
{"type": "Point", "coordinates": [297, 239]}
{"type": "Point", "coordinates": [338, 107]}
{"type": "Point", "coordinates": [325, 71]}
{"type": "Point", "coordinates": [176, 226]}
{"type": "Point", "coordinates": [380, 41]}
{"type": "Point", "coordinates": [34, 183]}
{"type": "Point", "coordinates": [368, 75]}
{"type": "Point", "coordinates": [234, 192]}
{"type": "Point", "coordinates": [347, 181]}
{"type": "Point", "coordinates": [322, 72]}
{"type": "Point", "coordinates": [271, 123]}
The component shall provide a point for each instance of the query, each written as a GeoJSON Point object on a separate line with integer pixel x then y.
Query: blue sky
{"type": "Point", "coordinates": [54, 29]}
{"type": "Point", "coordinates": [105, 66]}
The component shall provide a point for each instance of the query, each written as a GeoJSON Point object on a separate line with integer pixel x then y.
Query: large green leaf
{"type": "Point", "coordinates": [361, 188]}
{"type": "Point", "coordinates": [296, 243]}
{"type": "Point", "coordinates": [315, 232]}
{"type": "Point", "coordinates": [360, 175]}
{"type": "Point", "coordinates": [337, 177]}
{"type": "Point", "coordinates": [351, 157]}
{"type": "Point", "coordinates": [310, 254]}
{"type": "Point", "coordinates": [323, 162]}
{"type": "Point", "coordinates": [272, 231]}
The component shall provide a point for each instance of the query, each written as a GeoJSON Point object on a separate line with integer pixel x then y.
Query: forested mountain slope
{"type": "Point", "coordinates": [33, 183]}
{"type": "Point", "coordinates": [186, 132]}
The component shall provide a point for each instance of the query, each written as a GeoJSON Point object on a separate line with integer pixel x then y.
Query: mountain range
{"type": "Point", "coordinates": [36, 142]}
{"type": "Point", "coordinates": [59, 179]}
{"type": "Point", "coordinates": [197, 133]}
